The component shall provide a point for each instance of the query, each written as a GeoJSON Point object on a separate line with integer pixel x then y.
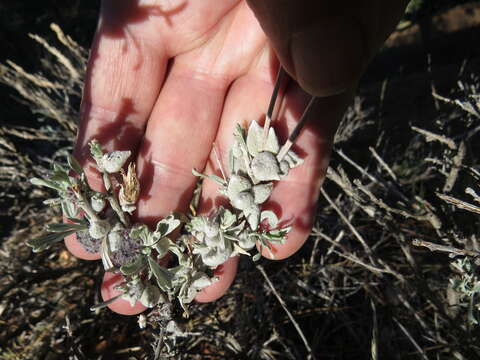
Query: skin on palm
{"type": "Point", "coordinates": [168, 79]}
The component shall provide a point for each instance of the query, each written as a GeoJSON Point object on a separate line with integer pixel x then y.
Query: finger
{"type": "Point", "coordinates": [294, 197]}
{"type": "Point", "coordinates": [226, 274]}
{"type": "Point", "coordinates": [247, 99]}
{"type": "Point", "coordinates": [120, 306]}
{"type": "Point", "coordinates": [124, 58]}
{"type": "Point", "coordinates": [326, 45]}
{"type": "Point", "coordinates": [185, 118]}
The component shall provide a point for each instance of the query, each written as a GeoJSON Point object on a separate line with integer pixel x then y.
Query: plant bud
{"type": "Point", "coordinates": [265, 167]}
{"type": "Point", "coordinates": [112, 162]}
{"type": "Point", "coordinates": [115, 239]}
{"type": "Point", "coordinates": [211, 229]}
{"type": "Point", "coordinates": [98, 229]}
{"type": "Point", "coordinates": [237, 184]}
{"type": "Point", "coordinates": [261, 192]}
{"type": "Point", "coordinates": [214, 257]}
{"type": "Point", "coordinates": [243, 200]}
{"type": "Point", "coordinates": [97, 202]}
{"type": "Point", "coordinates": [284, 168]}
{"type": "Point", "coordinates": [246, 242]}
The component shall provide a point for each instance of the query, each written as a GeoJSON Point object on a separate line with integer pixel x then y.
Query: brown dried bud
{"type": "Point", "coordinates": [129, 190]}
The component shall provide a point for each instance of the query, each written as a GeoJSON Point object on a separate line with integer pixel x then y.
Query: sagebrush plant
{"type": "Point", "coordinates": [102, 220]}
{"type": "Point", "coordinates": [358, 288]}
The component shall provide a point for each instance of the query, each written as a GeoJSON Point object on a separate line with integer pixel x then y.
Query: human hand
{"type": "Point", "coordinates": [167, 79]}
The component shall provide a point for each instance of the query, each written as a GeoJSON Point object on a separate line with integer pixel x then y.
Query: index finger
{"type": "Point", "coordinates": [123, 59]}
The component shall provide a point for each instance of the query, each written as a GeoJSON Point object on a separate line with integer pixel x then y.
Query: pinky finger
{"type": "Point", "coordinates": [226, 274]}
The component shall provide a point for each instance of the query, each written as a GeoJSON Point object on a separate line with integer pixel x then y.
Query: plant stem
{"type": "Point", "coordinates": [112, 199]}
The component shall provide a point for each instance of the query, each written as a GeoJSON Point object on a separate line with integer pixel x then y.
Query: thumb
{"type": "Point", "coordinates": [326, 45]}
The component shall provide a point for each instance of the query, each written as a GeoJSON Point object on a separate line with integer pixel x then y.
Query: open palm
{"type": "Point", "coordinates": [167, 79]}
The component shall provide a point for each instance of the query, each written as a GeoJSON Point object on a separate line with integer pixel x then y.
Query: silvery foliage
{"type": "Point", "coordinates": [466, 283]}
{"type": "Point", "coordinates": [104, 217]}
{"type": "Point", "coordinates": [254, 165]}
{"type": "Point", "coordinates": [135, 251]}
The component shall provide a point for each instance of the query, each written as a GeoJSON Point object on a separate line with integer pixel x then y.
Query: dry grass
{"type": "Point", "coordinates": [365, 285]}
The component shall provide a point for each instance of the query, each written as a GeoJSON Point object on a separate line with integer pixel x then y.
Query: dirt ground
{"type": "Point", "coordinates": [359, 289]}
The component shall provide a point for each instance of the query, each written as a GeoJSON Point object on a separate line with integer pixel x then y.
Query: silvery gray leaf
{"type": "Point", "coordinates": [113, 161]}
{"type": "Point", "coordinates": [201, 280]}
{"type": "Point", "coordinates": [69, 209]}
{"type": "Point", "coordinates": [272, 142]}
{"type": "Point", "coordinates": [265, 167]}
{"type": "Point", "coordinates": [98, 229]}
{"type": "Point", "coordinates": [253, 216]}
{"type": "Point", "coordinates": [211, 229]}
{"type": "Point", "coordinates": [243, 200]}
{"type": "Point", "coordinates": [141, 231]}
{"type": "Point", "coordinates": [115, 239]}
{"type": "Point", "coordinates": [246, 242]}
{"type": "Point", "coordinates": [74, 164]}
{"type": "Point", "coordinates": [213, 241]}
{"type": "Point", "coordinates": [43, 242]}
{"type": "Point", "coordinates": [167, 225]}
{"type": "Point", "coordinates": [214, 257]}
{"type": "Point", "coordinates": [132, 290]}
{"type": "Point", "coordinates": [227, 218]}
{"type": "Point", "coordinates": [47, 183]}
{"type": "Point", "coordinates": [150, 296]}
{"type": "Point", "coordinates": [293, 159]}
{"type": "Point", "coordinates": [162, 246]}
{"type": "Point", "coordinates": [270, 216]}
{"type": "Point", "coordinates": [237, 184]}
{"type": "Point", "coordinates": [128, 208]}
{"type": "Point", "coordinates": [261, 192]}
{"type": "Point", "coordinates": [162, 275]}
{"type": "Point", "coordinates": [256, 142]}
{"type": "Point", "coordinates": [284, 168]}
{"type": "Point", "coordinates": [134, 267]}
{"type": "Point", "coordinates": [254, 138]}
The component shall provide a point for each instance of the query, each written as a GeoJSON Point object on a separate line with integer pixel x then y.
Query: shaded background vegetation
{"type": "Point", "coordinates": [359, 288]}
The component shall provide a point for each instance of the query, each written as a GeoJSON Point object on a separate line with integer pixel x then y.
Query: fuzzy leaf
{"type": "Point", "coordinates": [256, 142]}
{"type": "Point", "coordinates": [166, 226]}
{"type": "Point", "coordinates": [43, 242]}
{"type": "Point", "coordinates": [150, 296]}
{"type": "Point", "coordinates": [47, 183]}
{"type": "Point", "coordinates": [228, 219]}
{"type": "Point", "coordinates": [113, 162]}
{"type": "Point", "coordinates": [270, 216]}
{"type": "Point", "coordinates": [134, 267]}
{"type": "Point", "coordinates": [253, 216]}
{"type": "Point", "coordinates": [261, 192]}
{"type": "Point", "coordinates": [141, 231]}
{"type": "Point", "coordinates": [293, 159]}
{"type": "Point", "coordinates": [162, 275]}
{"type": "Point", "coordinates": [162, 246]}
{"type": "Point", "coordinates": [237, 184]}
{"type": "Point", "coordinates": [265, 167]}
{"type": "Point", "coordinates": [254, 138]}
{"type": "Point", "coordinates": [95, 149]}
{"type": "Point", "coordinates": [69, 209]}
{"type": "Point", "coordinates": [62, 227]}
{"type": "Point", "coordinates": [75, 165]}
